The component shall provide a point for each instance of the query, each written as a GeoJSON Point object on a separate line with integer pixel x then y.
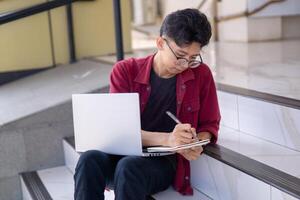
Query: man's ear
{"type": "Point", "coordinates": [160, 43]}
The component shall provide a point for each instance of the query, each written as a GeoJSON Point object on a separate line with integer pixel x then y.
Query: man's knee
{"type": "Point", "coordinates": [91, 158]}
{"type": "Point", "coordinates": [127, 169]}
{"type": "Point", "coordinates": [90, 175]}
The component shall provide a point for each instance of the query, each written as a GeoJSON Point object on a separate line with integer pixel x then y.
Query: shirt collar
{"type": "Point", "coordinates": [143, 75]}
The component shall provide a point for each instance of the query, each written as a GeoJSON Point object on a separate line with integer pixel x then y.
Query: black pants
{"type": "Point", "coordinates": [132, 177]}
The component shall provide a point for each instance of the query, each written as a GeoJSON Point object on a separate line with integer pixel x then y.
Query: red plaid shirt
{"type": "Point", "coordinates": [196, 96]}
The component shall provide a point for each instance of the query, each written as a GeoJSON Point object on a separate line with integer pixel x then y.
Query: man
{"type": "Point", "coordinates": [174, 79]}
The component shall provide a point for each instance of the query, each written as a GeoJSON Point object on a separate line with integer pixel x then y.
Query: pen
{"type": "Point", "coordinates": [178, 122]}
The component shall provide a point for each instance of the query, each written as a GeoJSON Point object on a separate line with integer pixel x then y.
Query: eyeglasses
{"type": "Point", "coordinates": [195, 62]}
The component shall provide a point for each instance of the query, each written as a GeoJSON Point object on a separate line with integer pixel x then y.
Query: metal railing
{"type": "Point", "coordinates": [118, 30]}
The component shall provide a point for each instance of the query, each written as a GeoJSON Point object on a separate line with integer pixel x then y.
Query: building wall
{"type": "Point", "coordinates": [41, 40]}
{"type": "Point", "coordinates": [94, 32]}
{"type": "Point", "coordinates": [285, 8]}
{"type": "Point", "coordinates": [275, 22]}
{"type": "Point", "coordinates": [25, 44]}
{"type": "Point", "coordinates": [10, 5]}
{"type": "Point", "coordinates": [58, 19]}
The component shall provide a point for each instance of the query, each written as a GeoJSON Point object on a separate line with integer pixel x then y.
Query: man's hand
{"type": "Point", "coordinates": [181, 134]}
{"type": "Point", "coordinates": [204, 135]}
{"type": "Point", "coordinates": [192, 153]}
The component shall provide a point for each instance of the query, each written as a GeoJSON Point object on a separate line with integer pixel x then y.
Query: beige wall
{"type": "Point", "coordinates": [94, 32]}
{"type": "Point", "coordinates": [10, 5]}
{"type": "Point", "coordinates": [60, 35]}
{"type": "Point", "coordinates": [26, 44]}
{"type": "Point", "coordinates": [169, 6]}
{"type": "Point", "coordinates": [270, 23]}
{"type": "Point", "coordinates": [291, 27]}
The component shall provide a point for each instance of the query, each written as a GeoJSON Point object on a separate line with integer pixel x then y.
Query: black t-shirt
{"type": "Point", "coordinates": [162, 98]}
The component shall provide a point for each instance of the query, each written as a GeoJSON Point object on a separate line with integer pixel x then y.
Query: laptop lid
{"type": "Point", "coordinates": [108, 122]}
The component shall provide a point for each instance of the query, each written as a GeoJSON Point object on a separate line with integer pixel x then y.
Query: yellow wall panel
{"type": "Point", "coordinates": [94, 27]}
{"type": "Point", "coordinates": [25, 44]}
{"type": "Point", "coordinates": [60, 35]}
{"type": "Point", "coordinates": [11, 5]}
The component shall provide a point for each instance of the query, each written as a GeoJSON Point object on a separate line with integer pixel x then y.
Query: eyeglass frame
{"type": "Point", "coordinates": [182, 58]}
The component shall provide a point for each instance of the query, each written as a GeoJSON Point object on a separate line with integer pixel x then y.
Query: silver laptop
{"type": "Point", "coordinates": [109, 122]}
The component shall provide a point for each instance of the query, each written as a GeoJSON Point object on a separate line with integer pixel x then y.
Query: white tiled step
{"type": "Point", "coordinates": [171, 194]}
{"type": "Point", "coordinates": [71, 156]}
{"type": "Point", "coordinates": [269, 121]}
{"type": "Point", "coordinates": [25, 193]}
{"type": "Point", "coordinates": [222, 182]}
{"type": "Point", "coordinates": [60, 184]}
{"type": "Point", "coordinates": [271, 154]}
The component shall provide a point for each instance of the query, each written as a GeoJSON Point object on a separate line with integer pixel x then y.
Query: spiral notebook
{"type": "Point", "coordinates": [179, 147]}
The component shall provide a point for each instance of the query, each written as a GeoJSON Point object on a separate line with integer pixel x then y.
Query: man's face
{"type": "Point", "coordinates": [177, 59]}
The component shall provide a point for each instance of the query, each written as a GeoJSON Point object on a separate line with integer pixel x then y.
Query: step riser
{"type": "Point", "coordinates": [71, 156]}
{"type": "Point", "coordinates": [222, 182]}
{"type": "Point", "coordinates": [272, 122]}
{"type": "Point", "coordinates": [25, 192]}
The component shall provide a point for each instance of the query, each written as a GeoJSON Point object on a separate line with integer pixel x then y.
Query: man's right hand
{"type": "Point", "coordinates": [181, 134]}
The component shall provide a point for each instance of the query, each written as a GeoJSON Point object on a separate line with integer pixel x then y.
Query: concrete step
{"type": "Point", "coordinates": [36, 113]}
{"type": "Point", "coordinates": [50, 88]}
{"type": "Point", "coordinates": [58, 184]}
{"type": "Point", "coordinates": [54, 183]}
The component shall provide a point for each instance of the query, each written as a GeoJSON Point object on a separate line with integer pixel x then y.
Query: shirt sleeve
{"type": "Point", "coordinates": [209, 116]}
{"type": "Point", "coordinates": [119, 82]}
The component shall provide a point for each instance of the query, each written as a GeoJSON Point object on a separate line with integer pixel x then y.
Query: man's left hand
{"type": "Point", "coordinates": [192, 153]}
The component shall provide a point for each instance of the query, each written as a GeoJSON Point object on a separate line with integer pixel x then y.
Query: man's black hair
{"type": "Point", "coordinates": [186, 26]}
